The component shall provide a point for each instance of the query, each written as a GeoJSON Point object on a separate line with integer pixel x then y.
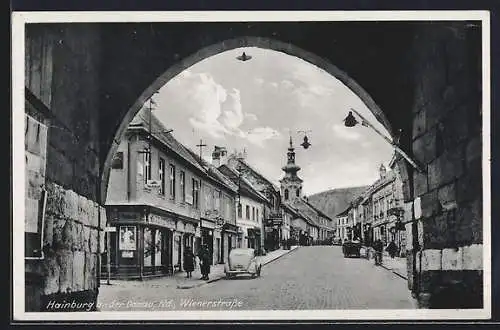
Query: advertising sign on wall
{"type": "Point", "coordinates": [128, 238]}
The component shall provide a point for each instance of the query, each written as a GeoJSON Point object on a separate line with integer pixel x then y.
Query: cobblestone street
{"type": "Point", "coordinates": [309, 278]}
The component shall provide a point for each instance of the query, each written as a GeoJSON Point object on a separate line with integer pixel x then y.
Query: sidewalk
{"type": "Point", "coordinates": [180, 281]}
{"type": "Point", "coordinates": [397, 265]}
{"type": "Point", "coordinates": [217, 271]}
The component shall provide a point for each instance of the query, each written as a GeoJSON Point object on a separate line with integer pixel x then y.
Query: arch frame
{"type": "Point", "coordinates": [227, 45]}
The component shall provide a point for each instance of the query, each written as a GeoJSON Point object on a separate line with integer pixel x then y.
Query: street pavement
{"type": "Point", "coordinates": [314, 277]}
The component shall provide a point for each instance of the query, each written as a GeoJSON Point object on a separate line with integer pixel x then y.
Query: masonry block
{"type": "Point", "coordinates": [430, 259]}
{"type": "Point", "coordinates": [472, 256]}
{"type": "Point", "coordinates": [455, 127]}
{"type": "Point", "coordinates": [469, 186]}
{"type": "Point", "coordinates": [78, 270]}
{"type": "Point", "coordinates": [430, 204]}
{"type": "Point", "coordinates": [447, 196]}
{"type": "Point", "coordinates": [445, 168]}
{"type": "Point", "coordinates": [86, 238]}
{"type": "Point", "coordinates": [419, 126]}
{"type": "Point", "coordinates": [51, 273]}
{"type": "Point", "coordinates": [473, 149]}
{"type": "Point", "coordinates": [48, 231]}
{"type": "Point", "coordinates": [469, 223]}
{"type": "Point", "coordinates": [77, 237]}
{"type": "Point", "coordinates": [420, 185]}
{"type": "Point", "coordinates": [452, 259]}
{"type": "Point", "coordinates": [59, 167]}
{"type": "Point", "coordinates": [424, 147]}
{"type": "Point", "coordinates": [93, 240]}
{"type": "Point", "coordinates": [435, 232]}
{"type": "Point", "coordinates": [65, 261]}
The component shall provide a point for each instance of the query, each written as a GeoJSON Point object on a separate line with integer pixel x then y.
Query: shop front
{"type": "Point", "coordinates": [140, 244]}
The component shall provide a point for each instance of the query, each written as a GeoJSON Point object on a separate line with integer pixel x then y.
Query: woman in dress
{"type": "Point", "coordinates": [188, 261]}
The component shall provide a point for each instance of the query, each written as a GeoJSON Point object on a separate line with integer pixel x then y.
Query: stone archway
{"type": "Point", "coordinates": [240, 42]}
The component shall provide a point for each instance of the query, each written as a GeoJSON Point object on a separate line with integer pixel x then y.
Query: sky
{"type": "Point", "coordinates": [258, 104]}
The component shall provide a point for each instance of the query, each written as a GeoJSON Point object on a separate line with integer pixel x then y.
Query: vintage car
{"type": "Point", "coordinates": [242, 261]}
{"type": "Point", "coordinates": [351, 248]}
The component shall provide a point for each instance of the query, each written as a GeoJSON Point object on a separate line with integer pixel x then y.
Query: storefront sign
{"type": "Point", "coordinates": [128, 216]}
{"type": "Point", "coordinates": [162, 221]}
{"type": "Point", "coordinates": [127, 254]}
{"type": "Point", "coordinates": [207, 224]}
{"type": "Point", "coordinates": [128, 238]}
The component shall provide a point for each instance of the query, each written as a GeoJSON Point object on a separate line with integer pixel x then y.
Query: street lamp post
{"type": "Point", "coordinates": [351, 121]}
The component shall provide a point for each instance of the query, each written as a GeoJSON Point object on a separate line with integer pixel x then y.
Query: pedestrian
{"type": "Point", "coordinates": [392, 249]}
{"type": "Point", "coordinates": [188, 261]}
{"type": "Point", "coordinates": [378, 246]}
{"type": "Point", "coordinates": [205, 261]}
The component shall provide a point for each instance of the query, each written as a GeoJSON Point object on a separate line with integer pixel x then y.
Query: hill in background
{"type": "Point", "coordinates": [334, 201]}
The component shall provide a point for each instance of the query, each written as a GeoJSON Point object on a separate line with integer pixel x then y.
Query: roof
{"type": "Point", "coordinates": [141, 121]}
{"type": "Point", "coordinates": [158, 131]}
{"type": "Point", "coordinates": [245, 186]}
{"type": "Point", "coordinates": [317, 210]}
{"type": "Point", "coordinates": [257, 172]}
{"type": "Point", "coordinates": [213, 172]}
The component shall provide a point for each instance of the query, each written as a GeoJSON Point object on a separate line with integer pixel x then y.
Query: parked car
{"type": "Point", "coordinates": [242, 261]}
{"type": "Point", "coordinates": [351, 248]}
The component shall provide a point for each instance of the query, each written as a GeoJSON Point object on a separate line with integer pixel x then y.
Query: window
{"type": "Point", "coordinates": [297, 192]}
{"type": "Point", "coordinates": [239, 210]}
{"type": "Point", "coordinates": [196, 193]}
{"type": "Point", "coordinates": [257, 214]}
{"type": "Point", "coordinates": [286, 194]}
{"type": "Point", "coordinates": [253, 213]}
{"type": "Point", "coordinates": [218, 196]}
{"type": "Point", "coordinates": [247, 209]}
{"type": "Point", "coordinates": [162, 176]}
{"type": "Point", "coordinates": [183, 185]}
{"type": "Point", "coordinates": [172, 181]}
{"type": "Point", "coordinates": [147, 167]}
{"type": "Point", "coordinates": [117, 163]}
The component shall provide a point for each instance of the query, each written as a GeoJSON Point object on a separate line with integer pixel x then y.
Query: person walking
{"type": "Point", "coordinates": [392, 249]}
{"type": "Point", "coordinates": [188, 262]}
{"type": "Point", "coordinates": [378, 246]}
{"type": "Point", "coordinates": [205, 261]}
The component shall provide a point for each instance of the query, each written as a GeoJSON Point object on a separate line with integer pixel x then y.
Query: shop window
{"type": "Point", "coordinates": [158, 247]}
{"type": "Point", "coordinates": [148, 247]}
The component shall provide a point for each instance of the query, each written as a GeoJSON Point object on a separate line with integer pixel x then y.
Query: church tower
{"type": "Point", "coordinates": [291, 184]}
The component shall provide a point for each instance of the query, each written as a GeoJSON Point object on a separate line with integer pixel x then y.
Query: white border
{"type": "Point", "coordinates": [21, 18]}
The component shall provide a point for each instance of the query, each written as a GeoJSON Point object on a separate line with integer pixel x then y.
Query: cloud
{"type": "Point", "coordinates": [260, 135]}
{"type": "Point", "coordinates": [274, 84]}
{"type": "Point", "coordinates": [345, 133]}
{"type": "Point", "coordinates": [258, 81]}
{"type": "Point", "coordinates": [287, 84]}
{"type": "Point", "coordinates": [251, 116]}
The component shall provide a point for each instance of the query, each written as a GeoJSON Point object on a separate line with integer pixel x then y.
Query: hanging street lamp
{"type": "Point", "coordinates": [351, 121]}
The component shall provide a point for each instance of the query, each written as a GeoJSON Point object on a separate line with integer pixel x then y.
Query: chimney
{"type": "Point", "coordinates": [382, 171]}
{"type": "Point", "coordinates": [219, 156]}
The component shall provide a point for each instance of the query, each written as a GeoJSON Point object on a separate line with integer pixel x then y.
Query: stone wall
{"type": "Point", "coordinates": [66, 67]}
{"type": "Point", "coordinates": [446, 240]}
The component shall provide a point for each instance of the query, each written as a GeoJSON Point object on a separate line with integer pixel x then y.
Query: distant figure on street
{"type": "Point", "coordinates": [205, 261]}
{"type": "Point", "coordinates": [188, 261]}
{"type": "Point", "coordinates": [392, 249]}
{"type": "Point", "coordinates": [378, 246]}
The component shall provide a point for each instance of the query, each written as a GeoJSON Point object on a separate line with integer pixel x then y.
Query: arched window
{"type": "Point", "coordinates": [286, 194]}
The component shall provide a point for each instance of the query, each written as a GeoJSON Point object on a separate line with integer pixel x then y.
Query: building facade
{"type": "Point", "coordinates": [157, 202]}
